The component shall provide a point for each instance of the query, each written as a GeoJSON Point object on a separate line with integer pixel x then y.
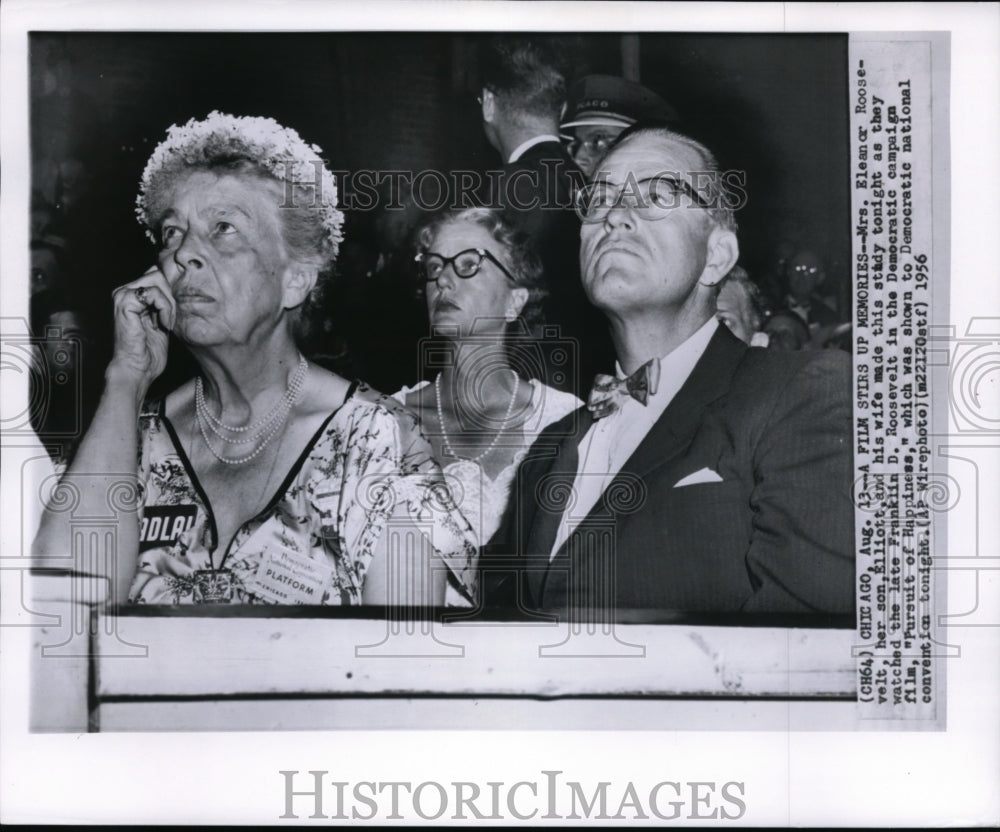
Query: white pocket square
{"type": "Point", "coordinates": [704, 475]}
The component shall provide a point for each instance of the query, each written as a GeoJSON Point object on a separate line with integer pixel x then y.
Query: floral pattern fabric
{"type": "Point", "coordinates": [327, 517]}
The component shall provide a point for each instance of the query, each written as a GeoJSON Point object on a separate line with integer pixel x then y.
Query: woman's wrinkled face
{"type": "Point", "coordinates": [474, 305]}
{"type": "Point", "coordinates": [223, 255]}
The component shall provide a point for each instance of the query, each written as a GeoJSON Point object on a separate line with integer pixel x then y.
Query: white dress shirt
{"type": "Point", "coordinates": [609, 443]}
{"type": "Point", "coordinates": [523, 146]}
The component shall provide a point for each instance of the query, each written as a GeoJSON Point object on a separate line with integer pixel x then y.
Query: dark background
{"type": "Point", "coordinates": [772, 105]}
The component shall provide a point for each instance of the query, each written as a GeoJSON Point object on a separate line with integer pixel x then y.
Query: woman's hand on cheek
{"type": "Point", "coordinates": [145, 312]}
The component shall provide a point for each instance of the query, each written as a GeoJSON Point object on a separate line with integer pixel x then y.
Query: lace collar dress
{"type": "Point", "coordinates": [481, 499]}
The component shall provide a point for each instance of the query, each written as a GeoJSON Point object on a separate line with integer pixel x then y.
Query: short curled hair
{"type": "Point", "coordinates": [255, 148]}
{"type": "Point", "coordinates": [306, 239]}
{"type": "Point", "coordinates": [516, 252]}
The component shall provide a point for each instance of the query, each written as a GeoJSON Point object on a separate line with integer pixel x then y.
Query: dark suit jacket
{"type": "Point", "coordinates": [536, 192]}
{"type": "Point", "coordinates": [775, 535]}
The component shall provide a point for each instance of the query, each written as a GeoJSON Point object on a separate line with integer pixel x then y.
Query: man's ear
{"type": "Point", "coordinates": [300, 279]}
{"type": "Point", "coordinates": [723, 250]}
{"type": "Point", "coordinates": [518, 298]}
{"type": "Point", "coordinates": [489, 105]}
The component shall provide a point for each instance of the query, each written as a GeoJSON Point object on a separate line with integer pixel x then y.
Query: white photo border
{"type": "Point", "coordinates": [849, 778]}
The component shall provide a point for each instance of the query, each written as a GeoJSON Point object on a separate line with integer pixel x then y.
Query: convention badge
{"type": "Point", "coordinates": [213, 586]}
{"type": "Point", "coordinates": [162, 525]}
{"type": "Point", "coordinates": [287, 577]}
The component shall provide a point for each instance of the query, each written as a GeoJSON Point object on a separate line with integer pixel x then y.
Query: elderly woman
{"type": "Point", "coordinates": [264, 479]}
{"type": "Point", "coordinates": [483, 282]}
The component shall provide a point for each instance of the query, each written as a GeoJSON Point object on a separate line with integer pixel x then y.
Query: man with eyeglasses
{"type": "Point", "coordinates": [804, 275]}
{"type": "Point", "coordinates": [600, 107]}
{"type": "Point", "coordinates": [705, 475]}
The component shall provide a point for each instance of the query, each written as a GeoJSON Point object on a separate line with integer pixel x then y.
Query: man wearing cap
{"type": "Point", "coordinates": [524, 91]}
{"type": "Point", "coordinates": [602, 106]}
{"type": "Point", "coordinates": [705, 476]}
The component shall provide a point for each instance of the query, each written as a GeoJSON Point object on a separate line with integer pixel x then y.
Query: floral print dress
{"type": "Point", "coordinates": [315, 540]}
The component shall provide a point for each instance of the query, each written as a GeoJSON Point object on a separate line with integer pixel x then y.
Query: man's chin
{"type": "Point", "coordinates": [614, 284]}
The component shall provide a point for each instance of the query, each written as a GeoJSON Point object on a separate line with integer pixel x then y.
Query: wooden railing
{"type": "Point", "coordinates": [156, 668]}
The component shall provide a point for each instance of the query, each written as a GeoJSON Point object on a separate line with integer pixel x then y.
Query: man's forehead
{"type": "Point", "coordinates": [649, 154]}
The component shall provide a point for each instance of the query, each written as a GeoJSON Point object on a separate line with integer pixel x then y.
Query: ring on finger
{"type": "Point", "coordinates": [140, 295]}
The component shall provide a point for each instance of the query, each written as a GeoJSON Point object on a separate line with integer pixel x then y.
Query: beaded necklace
{"type": "Point", "coordinates": [503, 425]}
{"type": "Point", "coordinates": [267, 426]}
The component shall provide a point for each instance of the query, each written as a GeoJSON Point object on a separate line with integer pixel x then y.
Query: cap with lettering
{"type": "Point", "coordinates": [613, 101]}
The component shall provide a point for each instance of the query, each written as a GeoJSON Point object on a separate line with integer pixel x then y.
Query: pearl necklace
{"type": "Point", "coordinates": [294, 382]}
{"type": "Point", "coordinates": [271, 423]}
{"type": "Point", "coordinates": [503, 425]}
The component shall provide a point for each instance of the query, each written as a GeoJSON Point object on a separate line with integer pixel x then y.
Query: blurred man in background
{"type": "Point", "coordinates": [523, 93]}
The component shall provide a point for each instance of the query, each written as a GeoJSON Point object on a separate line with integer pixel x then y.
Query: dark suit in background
{"type": "Point", "coordinates": [537, 190]}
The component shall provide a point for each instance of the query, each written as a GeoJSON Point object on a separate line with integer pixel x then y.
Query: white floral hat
{"type": "Point", "coordinates": [279, 150]}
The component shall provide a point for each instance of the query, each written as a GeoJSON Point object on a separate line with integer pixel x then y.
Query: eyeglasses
{"type": "Point", "coordinates": [650, 199]}
{"type": "Point", "coordinates": [598, 146]}
{"type": "Point", "coordinates": [465, 264]}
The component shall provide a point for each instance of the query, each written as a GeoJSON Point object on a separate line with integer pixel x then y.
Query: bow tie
{"type": "Point", "coordinates": [609, 392]}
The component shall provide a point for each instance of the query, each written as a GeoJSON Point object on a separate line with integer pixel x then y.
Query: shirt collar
{"type": "Point", "coordinates": [524, 146]}
{"type": "Point", "coordinates": [680, 361]}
